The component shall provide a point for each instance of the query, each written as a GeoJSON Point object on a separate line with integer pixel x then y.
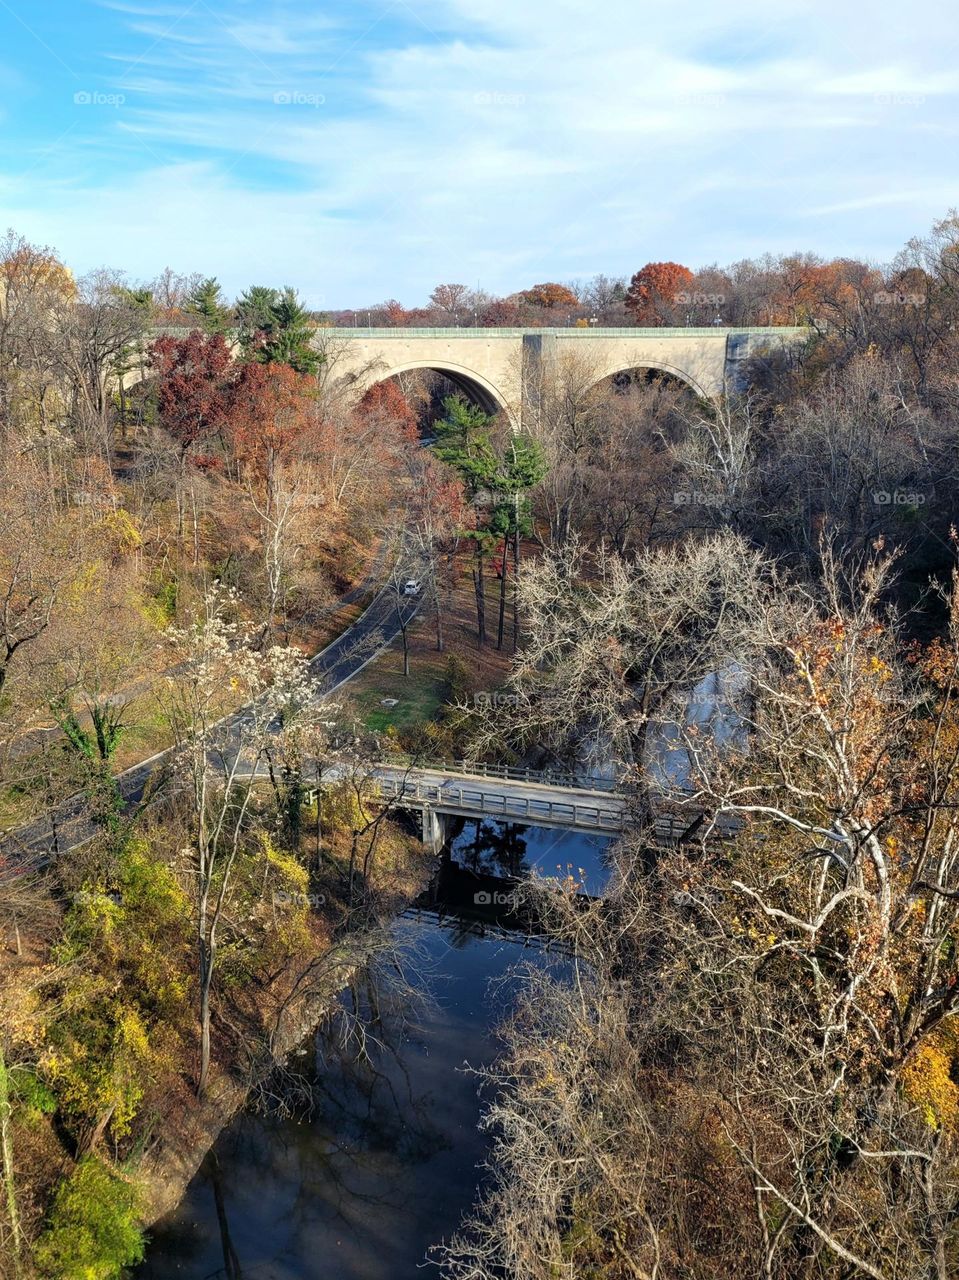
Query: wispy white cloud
{"type": "Point", "coordinates": [374, 149]}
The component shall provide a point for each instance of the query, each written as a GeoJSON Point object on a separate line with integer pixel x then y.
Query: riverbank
{"type": "Point", "coordinates": [385, 1154]}
{"type": "Point", "coordinates": [289, 1011]}
{"type": "Point", "coordinates": [106, 1060]}
{"type": "Point", "coordinates": [164, 1174]}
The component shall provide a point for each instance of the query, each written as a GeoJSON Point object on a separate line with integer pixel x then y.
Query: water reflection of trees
{"type": "Point", "coordinates": [352, 1116]}
{"type": "Point", "coordinates": [492, 848]}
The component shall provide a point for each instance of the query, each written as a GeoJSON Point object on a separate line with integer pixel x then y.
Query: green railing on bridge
{"type": "Point", "coordinates": [568, 331]}
{"type": "Point", "coordinates": [563, 331]}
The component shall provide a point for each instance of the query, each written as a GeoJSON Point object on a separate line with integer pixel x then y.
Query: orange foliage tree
{"type": "Point", "coordinates": [549, 296]}
{"type": "Point", "coordinates": [270, 407]}
{"type": "Point", "coordinates": [653, 291]}
{"type": "Point", "coordinates": [386, 404]}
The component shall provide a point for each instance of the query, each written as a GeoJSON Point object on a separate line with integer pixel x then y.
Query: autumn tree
{"type": "Point", "coordinates": [94, 653]}
{"type": "Point", "coordinates": [217, 761]}
{"type": "Point", "coordinates": [752, 1070]}
{"type": "Point", "coordinates": [501, 313]}
{"type": "Point", "coordinates": [94, 334]}
{"type": "Point", "coordinates": [193, 375]}
{"type": "Point", "coordinates": [192, 387]}
{"type": "Point", "coordinates": [34, 287]}
{"type": "Point", "coordinates": [451, 300]}
{"type": "Point", "coordinates": [549, 296]}
{"type": "Point", "coordinates": [270, 408]}
{"type": "Point", "coordinates": [386, 403]}
{"type": "Point", "coordinates": [652, 296]}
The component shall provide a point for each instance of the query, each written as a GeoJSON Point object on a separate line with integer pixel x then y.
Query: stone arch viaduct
{"type": "Point", "coordinates": [498, 367]}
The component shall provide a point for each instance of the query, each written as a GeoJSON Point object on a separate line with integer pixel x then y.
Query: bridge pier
{"type": "Point", "coordinates": [434, 829]}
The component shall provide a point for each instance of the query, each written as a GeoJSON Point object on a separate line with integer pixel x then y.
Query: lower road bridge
{"type": "Point", "coordinates": [471, 790]}
{"type": "Point", "coordinates": [529, 797]}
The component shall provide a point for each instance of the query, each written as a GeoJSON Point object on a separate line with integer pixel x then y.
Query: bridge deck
{"type": "Point", "coordinates": [512, 800]}
{"type": "Point", "coordinates": [528, 798]}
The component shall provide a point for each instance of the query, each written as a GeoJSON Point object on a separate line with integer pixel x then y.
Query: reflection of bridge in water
{"type": "Point", "coordinates": [479, 886]}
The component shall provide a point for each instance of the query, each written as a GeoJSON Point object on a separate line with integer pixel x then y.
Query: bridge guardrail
{"type": "Point", "coordinates": [511, 773]}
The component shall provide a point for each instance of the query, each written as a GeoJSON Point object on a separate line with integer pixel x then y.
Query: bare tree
{"type": "Point", "coordinates": [219, 759]}
{"type": "Point", "coordinates": [750, 1070]}
{"type": "Point", "coordinates": [94, 334]}
{"type": "Point", "coordinates": [451, 300]}
{"type": "Point", "coordinates": [610, 641]}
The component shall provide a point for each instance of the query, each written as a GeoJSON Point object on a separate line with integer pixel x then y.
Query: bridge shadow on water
{"type": "Point", "coordinates": [478, 886]}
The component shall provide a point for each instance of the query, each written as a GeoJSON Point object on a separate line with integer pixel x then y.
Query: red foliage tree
{"type": "Point", "coordinates": [269, 410]}
{"type": "Point", "coordinates": [395, 314]}
{"type": "Point", "coordinates": [385, 402]}
{"type": "Point", "coordinates": [501, 314]}
{"type": "Point", "coordinates": [193, 386]}
{"type": "Point", "coordinates": [653, 292]}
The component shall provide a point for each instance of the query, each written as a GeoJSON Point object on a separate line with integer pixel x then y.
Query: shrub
{"type": "Point", "coordinates": [92, 1231]}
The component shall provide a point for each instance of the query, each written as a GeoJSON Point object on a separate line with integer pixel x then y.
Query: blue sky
{"type": "Point", "coordinates": [362, 149]}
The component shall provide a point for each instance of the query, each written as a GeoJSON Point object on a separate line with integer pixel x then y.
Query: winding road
{"type": "Point", "coordinates": [68, 826]}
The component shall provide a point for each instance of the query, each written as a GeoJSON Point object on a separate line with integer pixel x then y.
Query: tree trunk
{"type": "Point", "coordinates": [293, 806]}
{"type": "Point", "coordinates": [439, 619]}
{"type": "Point", "coordinates": [196, 526]}
{"type": "Point", "coordinates": [123, 408]}
{"type": "Point", "coordinates": [502, 593]}
{"type": "Point", "coordinates": [479, 584]}
{"type": "Point", "coordinates": [206, 981]}
{"type": "Point", "coordinates": [6, 1160]}
{"type": "Point", "coordinates": [516, 587]}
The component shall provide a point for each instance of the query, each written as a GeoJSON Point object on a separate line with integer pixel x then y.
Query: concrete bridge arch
{"type": "Point", "coordinates": [474, 385]}
{"type": "Point", "coordinates": [499, 368]}
{"type": "Point", "coordinates": [671, 371]}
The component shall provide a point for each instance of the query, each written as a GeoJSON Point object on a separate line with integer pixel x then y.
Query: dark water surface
{"type": "Point", "coordinates": [386, 1162]}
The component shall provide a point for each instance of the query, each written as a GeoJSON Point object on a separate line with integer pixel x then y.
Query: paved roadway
{"type": "Point", "coordinates": [339, 662]}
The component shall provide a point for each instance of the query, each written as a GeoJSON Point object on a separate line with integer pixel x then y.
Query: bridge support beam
{"type": "Point", "coordinates": [434, 829]}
